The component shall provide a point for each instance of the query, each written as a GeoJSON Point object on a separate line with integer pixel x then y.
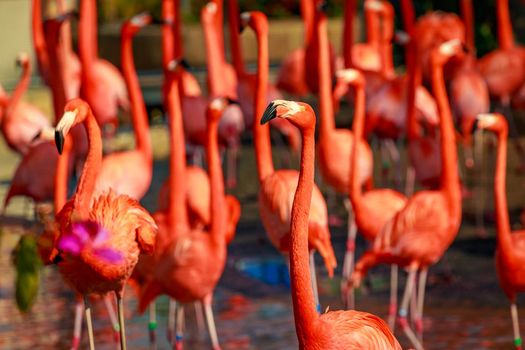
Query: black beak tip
{"type": "Point", "coordinates": [59, 141]}
{"type": "Point", "coordinates": [269, 114]}
{"type": "Point", "coordinates": [184, 64]}
{"type": "Point", "coordinates": [232, 101]}
{"type": "Point", "coordinates": [156, 20]}
{"type": "Point", "coordinates": [322, 6]}
{"type": "Point", "coordinates": [475, 126]}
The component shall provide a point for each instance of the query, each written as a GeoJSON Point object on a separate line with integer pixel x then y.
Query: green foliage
{"type": "Point", "coordinates": [27, 264]}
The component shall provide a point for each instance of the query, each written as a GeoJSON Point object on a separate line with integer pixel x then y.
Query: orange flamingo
{"type": "Point", "coordinates": [276, 188]}
{"type": "Point", "coordinates": [419, 234]}
{"type": "Point", "coordinates": [246, 82]}
{"type": "Point", "coordinates": [189, 262]}
{"type": "Point", "coordinates": [101, 236]}
{"type": "Point", "coordinates": [510, 260]}
{"type": "Point", "coordinates": [130, 172]}
{"type": "Point", "coordinates": [102, 84]}
{"type": "Point", "coordinates": [20, 121]}
{"type": "Point", "coordinates": [335, 329]}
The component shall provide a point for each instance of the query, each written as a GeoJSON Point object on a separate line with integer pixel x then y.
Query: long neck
{"type": "Point", "coordinates": [61, 175]}
{"type": "Point", "coordinates": [307, 14]}
{"type": "Point", "coordinates": [414, 80]}
{"type": "Point", "coordinates": [449, 162]}
{"type": "Point", "coordinates": [325, 83]}
{"type": "Point", "coordinates": [139, 115]}
{"type": "Point", "coordinates": [358, 127]}
{"type": "Point", "coordinates": [87, 34]}
{"type": "Point", "coordinates": [467, 13]}
{"type": "Point", "coordinates": [86, 184]}
{"type": "Point", "coordinates": [168, 37]}
{"type": "Point", "coordinates": [235, 37]}
{"type": "Point", "coordinates": [177, 215]}
{"type": "Point", "coordinates": [177, 33]}
{"type": "Point", "coordinates": [21, 88]}
{"type": "Point", "coordinates": [56, 68]}
{"type": "Point", "coordinates": [304, 310]}
{"type": "Point", "coordinates": [372, 25]}
{"type": "Point", "coordinates": [500, 196]}
{"type": "Point", "coordinates": [38, 38]}
{"type": "Point", "coordinates": [215, 61]}
{"type": "Point", "coordinates": [217, 201]}
{"type": "Point", "coordinates": [387, 34]}
{"type": "Point", "coordinates": [348, 32]}
{"type": "Point", "coordinates": [263, 148]}
{"type": "Point", "coordinates": [505, 34]}
{"type": "Point", "coordinates": [65, 32]}
{"type": "Point", "coordinates": [409, 15]}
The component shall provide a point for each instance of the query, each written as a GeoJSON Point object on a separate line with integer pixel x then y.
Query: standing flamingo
{"type": "Point", "coordinates": [20, 121]}
{"type": "Point", "coordinates": [189, 262]}
{"type": "Point", "coordinates": [101, 236]}
{"type": "Point", "coordinates": [510, 260]}
{"type": "Point", "coordinates": [130, 172]}
{"type": "Point", "coordinates": [103, 87]}
{"type": "Point", "coordinates": [276, 188]}
{"type": "Point", "coordinates": [419, 234]}
{"type": "Point", "coordinates": [335, 329]}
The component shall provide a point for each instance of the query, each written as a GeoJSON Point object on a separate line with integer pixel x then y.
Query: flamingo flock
{"type": "Point", "coordinates": [101, 238]}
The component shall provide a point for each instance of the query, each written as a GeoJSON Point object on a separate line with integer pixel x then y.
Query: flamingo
{"type": "Point", "coordinates": [276, 188]}
{"type": "Point", "coordinates": [100, 236]}
{"type": "Point", "coordinates": [335, 329]}
{"type": "Point", "coordinates": [510, 260]}
{"type": "Point", "coordinates": [189, 262]}
{"type": "Point", "coordinates": [130, 172]}
{"type": "Point", "coordinates": [103, 87]}
{"type": "Point", "coordinates": [20, 121]}
{"type": "Point", "coordinates": [419, 234]}
{"type": "Point", "coordinates": [290, 77]}
{"type": "Point", "coordinates": [246, 82]}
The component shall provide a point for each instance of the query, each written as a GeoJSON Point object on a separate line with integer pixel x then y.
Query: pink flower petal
{"type": "Point", "coordinates": [70, 244]}
{"type": "Point", "coordinates": [108, 254]}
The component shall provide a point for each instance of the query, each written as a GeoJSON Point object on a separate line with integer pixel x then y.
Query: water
{"type": "Point", "coordinates": [465, 308]}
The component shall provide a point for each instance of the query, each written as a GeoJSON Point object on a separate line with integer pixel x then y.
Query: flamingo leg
{"type": "Point", "coordinates": [403, 310]}
{"type": "Point", "coordinates": [392, 308]}
{"type": "Point", "coordinates": [152, 326]}
{"type": "Point", "coordinates": [314, 281]}
{"type": "Point", "coordinates": [171, 321]}
{"type": "Point", "coordinates": [198, 316]}
{"type": "Point", "coordinates": [515, 326]}
{"type": "Point", "coordinates": [211, 322]}
{"type": "Point", "coordinates": [89, 324]}
{"type": "Point", "coordinates": [348, 264]}
{"type": "Point", "coordinates": [120, 307]}
{"type": "Point", "coordinates": [421, 302]}
{"type": "Point", "coordinates": [77, 330]}
{"type": "Point", "coordinates": [179, 326]}
{"type": "Point", "coordinates": [231, 164]}
{"type": "Point", "coordinates": [410, 181]}
{"type": "Point", "coordinates": [113, 317]}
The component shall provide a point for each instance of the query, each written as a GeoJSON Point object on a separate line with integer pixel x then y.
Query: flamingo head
{"type": "Point", "coordinates": [135, 23]}
{"type": "Point", "coordinates": [350, 76]}
{"type": "Point", "coordinates": [298, 113]}
{"type": "Point", "coordinates": [494, 122]}
{"type": "Point", "coordinates": [216, 108]}
{"type": "Point", "coordinates": [447, 50]}
{"type": "Point", "coordinates": [22, 60]}
{"type": "Point", "coordinates": [63, 127]}
{"type": "Point", "coordinates": [88, 236]}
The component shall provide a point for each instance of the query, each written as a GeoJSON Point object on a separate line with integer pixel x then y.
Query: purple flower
{"type": "Point", "coordinates": [88, 234]}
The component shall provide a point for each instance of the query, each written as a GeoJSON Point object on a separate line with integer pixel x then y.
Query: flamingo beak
{"type": "Point", "coordinates": [59, 140]}
{"type": "Point", "coordinates": [270, 113]}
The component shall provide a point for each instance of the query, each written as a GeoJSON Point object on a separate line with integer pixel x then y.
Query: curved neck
{"type": "Point", "coordinates": [387, 35]}
{"type": "Point", "coordinates": [449, 162]}
{"type": "Point", "coordinates": [87, 34]}
{"type": "Point", "coordinates": [20, 89]}
{"type": "Point", "coordinates": [217, 201]}
{"type": "Point", "coordinates": [235, 37]}
{"type": "Point", "coordinates": [177, 215]}
{"type": "Point", "coordinates": [168, 36]}
{"type": "Point", "coordinates": [57, 82]}
{"type": "Point", "coordinates": [177, 33]}
{"type": "Point", "coordinates": [348, 32]}
{"type": "Point", "coordinates": [307, 14]}
{"type": "Point", "coordinates": [358, 127]}
{"type": "Point", "coordinates": [372, 25]}
{"type": "Point", "coordinates": [65, 32]}
{"type": "Point", "coordinates": [325, 82]}
{"type": "Point", "coordinates": [38, 38]}
{"type": "Point", "coordinates": [215, 61]}
{"type": "Point", "coordinates": [304, 310]}
{"type": "Point", "coordinates": [414, 80]}
{"type": "Point", "coordinates": [409, 15]}
{"type": "Point", "coordinates": [263, 147]}
{"type": "Point", "coordinates": [467, 14]}
{"type": "Point", "coordinates": [86, 184]}
{"type": "Point", "coordinates": [139, 115]}
{"type": "Point", "coordinates": [505, 34]}
{"type": "Point", "coordinates": [500, 196]}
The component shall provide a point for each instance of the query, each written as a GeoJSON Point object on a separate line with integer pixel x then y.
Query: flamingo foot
{"type": "Point", "coordinates": [418, 323]}
{"type": "Point", "coordinates": [75, 343]}
{"type": "Point", "coordinates": [335, 221]}
{"type": "Point", "coordinates": [178, 342]}
{"type": "Point", "coordinates": [392, 310]}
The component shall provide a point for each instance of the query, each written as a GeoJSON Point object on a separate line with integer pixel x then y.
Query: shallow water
{"type": "Point", "coordinates": [465, 308]}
